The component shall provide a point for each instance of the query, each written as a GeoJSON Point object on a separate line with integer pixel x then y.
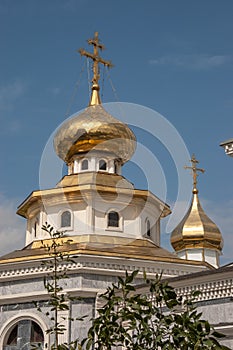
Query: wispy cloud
{"type": "Point", "coordinates": [12, 227]}
{"type": "Point", "coordinates": [13, 126]}
{"type": "Point", "coordinates": [10, 126]}
{"type": "Point", "coordinates": [72, 4]}
{"type": "Point", "coordinates": [193, 61]}
{"type": "Point", "coordinates": [9, 93]}
{"type": "Point", "coordinates": [54, 91]}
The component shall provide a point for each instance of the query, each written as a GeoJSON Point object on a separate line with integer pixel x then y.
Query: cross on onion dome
{"type": "Point", "coordinates": [195, 170]}
{"type": "Point", "coordinates": [95, 98]}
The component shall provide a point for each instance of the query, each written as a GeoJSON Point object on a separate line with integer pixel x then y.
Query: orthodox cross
{"type": "Point", "coordinates": [95, 99]}
{"type": "Point", "coordinates": [195, 170]}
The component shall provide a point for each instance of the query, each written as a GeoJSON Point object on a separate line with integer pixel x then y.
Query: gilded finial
{"type": "Point", "coordinates": [195, 170]}
{"type": "Point", "coordinates": [95, 97]}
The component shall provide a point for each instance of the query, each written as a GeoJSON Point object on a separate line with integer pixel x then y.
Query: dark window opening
{"type": "Point", "coordinates": [66, 219]}
{"type": "Point", "coordinates": [102, 165]}
{"type": "Point", "coordinates": [113, 219]}
{"type": "Point", "coordinates": [148, 228]}
{"type": "Point", "coordinates": [84, 164]}
{"type": "Point", "coordinates": [35, 227]}
{"type": "Point", "coordinates": [36, 333]}
{"type": "Point", "coordinates": [12, 339]}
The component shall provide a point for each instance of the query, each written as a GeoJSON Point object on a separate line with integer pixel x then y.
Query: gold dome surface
{"type": "Point", "coordinates": [94, 129]}
{"type": "Point", "coordinates": [196, 230]}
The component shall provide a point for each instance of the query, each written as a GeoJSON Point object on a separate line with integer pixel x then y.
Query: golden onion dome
{"type": "Point", "coordinates": [94, 129]}
{"type": "Point", "coordinates": [196, 230]}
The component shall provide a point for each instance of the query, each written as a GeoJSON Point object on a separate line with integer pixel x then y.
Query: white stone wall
{"type": "Point", "coordinates": [90, 216]}
{"type": "Point", "coordinates": [200, 254]}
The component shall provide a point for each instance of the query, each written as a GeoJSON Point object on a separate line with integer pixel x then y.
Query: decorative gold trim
{"type": "Point", "coordinates": [74, 192]}
{"type": "Point", "coordinates": [102, 246]}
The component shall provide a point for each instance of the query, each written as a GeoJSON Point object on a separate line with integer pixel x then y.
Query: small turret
{"type": "Point", "coordinates": [197, 237]}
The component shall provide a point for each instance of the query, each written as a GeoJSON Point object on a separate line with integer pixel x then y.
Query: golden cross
{"type": "Point", "coordinates": [194, 169]}
{"type": "Point", "coordinates": [95, 99]}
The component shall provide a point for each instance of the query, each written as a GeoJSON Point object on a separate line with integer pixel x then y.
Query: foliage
{"type": "Point", "coordinates": [155, 320]}
{"type": "Point", "coordinates": [158, 320]}
{"type": "Point", "coordinates": [58, 301]}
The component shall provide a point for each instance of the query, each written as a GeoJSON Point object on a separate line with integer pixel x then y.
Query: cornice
{"type": "Point", "coordinates": [98, 265]}
{"type": "Point", "coordinates": [212, 287]}
{"type": "Point", "coordinates": [31, 297]}
{"type": "Point", "coordinates": [222, 288]}
{"type": "Point", "coordinates": [60, 195]}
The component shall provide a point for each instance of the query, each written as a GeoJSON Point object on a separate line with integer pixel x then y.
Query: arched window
{"type": "Point", "coordinates": [113, 219]}
{"type": "Point", "coordinates": [102, 165]}
{"type": "Point", "coordinates": [66, 219]}
{"type": "Point", "coordinates": [148, 228]}
{"type": "Point", "coordinates": [24, 333]}
{"type": "Point", "coordinates": [84, 165]}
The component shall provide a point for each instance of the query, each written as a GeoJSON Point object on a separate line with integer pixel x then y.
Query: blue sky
{"type": "Point", "coordinates": [175, 57]}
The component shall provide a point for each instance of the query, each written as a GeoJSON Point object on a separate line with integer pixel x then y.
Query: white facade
{"type": "Point", "coordinates": [211, 256]}
{"type": "Point", "coordinates": [85, 204]}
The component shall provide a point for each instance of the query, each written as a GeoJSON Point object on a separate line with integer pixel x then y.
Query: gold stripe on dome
{"type": "Point", "coordinates": [94, 130]}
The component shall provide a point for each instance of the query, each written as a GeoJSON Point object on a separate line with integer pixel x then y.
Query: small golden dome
{"type": "Point", "coordinates": [196, 230]}
{"type": "Point", "coordinates": [94, 129]}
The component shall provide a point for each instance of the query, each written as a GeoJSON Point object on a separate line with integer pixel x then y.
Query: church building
{"type": "Point", "coordinates": [111, 227]}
